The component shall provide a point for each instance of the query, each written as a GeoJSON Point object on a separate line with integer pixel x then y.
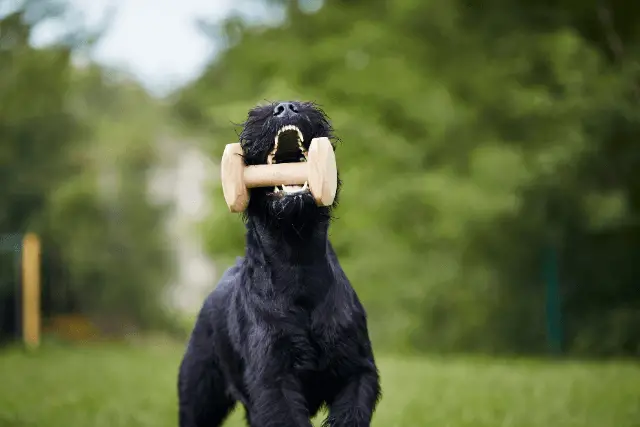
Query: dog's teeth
{"type": "Point", "coordinates": [272, 154]}
{"type": "Point", "coordinates": [305, 186]}
{"type": "Point", "coordinates": [290, 189]}
{"type": "Point", "coordinates": [276, 189]}
{"type": "Point", "coordinates": [289, 127]}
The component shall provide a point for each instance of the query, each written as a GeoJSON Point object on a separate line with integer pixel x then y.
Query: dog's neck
{"type": "Point", "coordinates": [294, 265]}
{"type": "Point", "coordinates": [287, 244]}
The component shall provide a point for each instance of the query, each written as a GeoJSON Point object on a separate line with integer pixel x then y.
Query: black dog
{"type": "Point", "coordinates": [283, 332]}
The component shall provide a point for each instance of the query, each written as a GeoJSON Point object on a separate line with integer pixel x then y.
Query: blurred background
{"type": "Point", "coordinates": [489, 219]}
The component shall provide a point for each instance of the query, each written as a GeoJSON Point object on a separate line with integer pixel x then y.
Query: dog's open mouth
{"type": "Point", "coordinates": [288, 148]}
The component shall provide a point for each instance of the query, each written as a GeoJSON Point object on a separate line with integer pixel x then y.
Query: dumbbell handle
{"type": "Point", "coordinates": [276, 174]}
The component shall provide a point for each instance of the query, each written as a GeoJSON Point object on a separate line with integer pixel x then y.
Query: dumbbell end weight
{"type": "Point", "coordinates": [232, 177]}
{"type": "Point", "coordinates": [323, 172]}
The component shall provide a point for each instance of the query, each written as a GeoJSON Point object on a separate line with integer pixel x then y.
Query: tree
{"type": "Point", "coordinates": [474, 138]}
{"type": "Point", "coordinates": [77, 148]}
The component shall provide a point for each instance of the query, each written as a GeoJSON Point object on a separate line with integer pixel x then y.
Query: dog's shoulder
{"type": "Point", "coordinates": [228, 282]}
{"type": "Point", "coordinates": [347, 295]}
{"type": "Point", "coordinates": [231, 276]}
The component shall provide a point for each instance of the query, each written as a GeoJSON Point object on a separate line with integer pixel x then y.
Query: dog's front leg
{"type": "Point", "coordinates": [354, 404]}
{"type": "Point", "coordinates": [275, 393]}
{"type": "Point", "coordinates": [276, 401]}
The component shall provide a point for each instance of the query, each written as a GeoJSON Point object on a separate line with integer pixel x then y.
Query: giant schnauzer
{"type": "Point", "coordinates": [283, 333]}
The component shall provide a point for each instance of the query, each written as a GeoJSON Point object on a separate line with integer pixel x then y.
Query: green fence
{"type": "Point", "coordinates": [10, 290]}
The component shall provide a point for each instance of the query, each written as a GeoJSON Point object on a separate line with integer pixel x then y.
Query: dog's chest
{"type": "Point", "coordinates": [317, 320]}
{"type": "Point", "coordinates": [317, 347]}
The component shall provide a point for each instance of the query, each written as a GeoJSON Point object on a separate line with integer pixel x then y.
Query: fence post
{"type": "Point", "coordinates": [552, 299]}
{"type": "Point", "coordinates": [31, 291]}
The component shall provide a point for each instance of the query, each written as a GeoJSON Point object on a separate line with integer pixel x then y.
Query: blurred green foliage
{"type": "Point", "coordinates": [76, 146]}
{"type": "Point", "coordinates": [475, 138]}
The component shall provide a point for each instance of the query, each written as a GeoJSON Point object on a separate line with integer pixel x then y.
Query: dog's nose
{"type": "Point", "coordinates": [285, 109]}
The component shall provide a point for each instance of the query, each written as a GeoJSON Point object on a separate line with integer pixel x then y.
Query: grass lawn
{"type": "Point", "coordinates": [124, 386]}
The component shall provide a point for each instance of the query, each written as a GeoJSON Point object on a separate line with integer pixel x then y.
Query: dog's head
{"type": "Point", "coordinates": [281, 132]}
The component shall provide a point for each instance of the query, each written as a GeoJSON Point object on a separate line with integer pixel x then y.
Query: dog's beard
{"type": "Point", "coordinates": [296, 208]}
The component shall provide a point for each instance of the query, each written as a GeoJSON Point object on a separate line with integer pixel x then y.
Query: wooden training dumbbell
{"type": "Point", "coordinates": [319, 171]}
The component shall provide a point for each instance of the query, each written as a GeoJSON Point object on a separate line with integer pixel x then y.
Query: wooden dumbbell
{"type": "Point", "coordinates": [319, 171]}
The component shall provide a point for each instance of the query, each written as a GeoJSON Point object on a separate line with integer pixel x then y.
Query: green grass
{"type": "Point", "coordinates": [118, 386]}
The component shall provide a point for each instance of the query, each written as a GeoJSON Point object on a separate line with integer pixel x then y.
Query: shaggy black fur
{"type": "Point", "coordinates": [283, 333]}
